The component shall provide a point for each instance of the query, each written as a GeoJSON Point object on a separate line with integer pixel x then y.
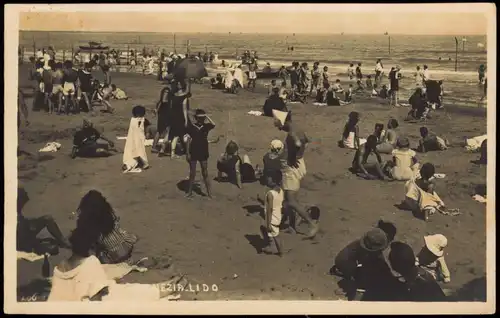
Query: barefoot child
{"type": "Point", "coordinates": [431, 257]}
{"type": "Point", "coordinates": [360, 164]}
{"type": "Point", "coordinates": [197, 148]}
{"type": "Point", "coordinates": [274, 213]}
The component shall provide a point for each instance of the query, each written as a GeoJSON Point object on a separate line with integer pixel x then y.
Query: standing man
{"type": "Point", "coordinates": [315, 76]}
{"type": "Point", "coordinates": [419, 77]}
{"type": "Point", "coordinates": [426, 76]}
{"type": "Point", "coordinates": [394, 77]}
{"type": "Point", "coordinates": [293, 168]}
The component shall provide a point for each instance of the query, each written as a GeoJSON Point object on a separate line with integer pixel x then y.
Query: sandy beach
{"type": "Point", "coordinates": [211, 241]}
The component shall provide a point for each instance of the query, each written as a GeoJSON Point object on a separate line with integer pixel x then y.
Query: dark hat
{"type": "Point", "coordinates": [403, 142]}
{"type": "Point", "coordinates": [401, 257]}
{"type": "Point", "coordinates": [200, 113]}
{"type": "Point", "coordinates": [374, 240]}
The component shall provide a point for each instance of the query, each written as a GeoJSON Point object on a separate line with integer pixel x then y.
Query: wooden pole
{"type": "Point", "coordinates": [128, 54]}
{"type": "Point", "coordinates": [389, 45]}
{"type": "Point", "coordinates": [456, 54]}
{"type": "Point", "coordinates": [188, 48]}
{"type": "Point", "coordinates": [175, 47]}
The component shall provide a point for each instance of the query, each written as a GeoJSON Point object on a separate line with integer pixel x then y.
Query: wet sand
{"type": "Point", "coordinates": [211, 240]}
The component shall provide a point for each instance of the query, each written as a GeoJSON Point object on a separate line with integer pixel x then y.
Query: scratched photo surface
{"type": "Point", "coordinates": [176, 154]}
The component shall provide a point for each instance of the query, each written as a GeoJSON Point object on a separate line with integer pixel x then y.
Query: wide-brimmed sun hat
{"type": "Point", "coordinates": [374, 240]}
{"type": "Point", "coordinates": [276, 145]}
{"type": "Point", "coordinates": [436, 244]}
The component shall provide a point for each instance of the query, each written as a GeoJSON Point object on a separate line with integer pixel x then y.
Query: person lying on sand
{"type": "Point", "coordinates": [431, 142]}
{"type": "Point", "coordinates": [29, 228]}
{"type": "Point", "coordinates": [238, 168]}
{"type": "Point", "coordinates": [368, 169]}
{"type": "Point", "coordinates": [390, 137]}
{"type": "Point", "coordinates": [86, 142]}
{"type": "Point", "coordinates": [404, 165]}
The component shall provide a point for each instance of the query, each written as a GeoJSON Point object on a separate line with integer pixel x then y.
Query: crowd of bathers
{"type": "Point", "coordinates": [99, 239]}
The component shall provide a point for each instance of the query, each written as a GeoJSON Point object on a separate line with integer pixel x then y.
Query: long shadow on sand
{"type": "Point", "coordinates": [184, 186]}
{"type": "Point", "coordinates": [255, 208]}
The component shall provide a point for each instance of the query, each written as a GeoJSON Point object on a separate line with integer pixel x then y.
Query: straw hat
{"type": "Point", "coordinates": [436, 244]}
{"type": "Point", "coordinates": [280, 116]}
{"type": "Point", "coordinates": [374, 240]}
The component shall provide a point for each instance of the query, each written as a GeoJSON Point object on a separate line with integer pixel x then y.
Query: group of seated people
{"type": "Point", "coordinates": [423, 101]}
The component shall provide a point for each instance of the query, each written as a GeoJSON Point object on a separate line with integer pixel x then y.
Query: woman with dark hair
{"type": "Point", "coordinates": [178, 116]}
{"type": "Point", "coordinates": [163, 109]}
{"type": "Point", "coordinates": [113, 245]}
{"type": "Point", "coordinates": [82, 277]}
{"type": "Point", "coordinates": [134, 153]}
{"type": "Point", "coordinates": [350, 135]}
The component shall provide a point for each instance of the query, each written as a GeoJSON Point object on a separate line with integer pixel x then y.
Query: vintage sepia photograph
{"type": "Point", "coordinates": [175, 158]}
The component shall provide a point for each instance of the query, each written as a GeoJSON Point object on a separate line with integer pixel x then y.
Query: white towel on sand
{"type": "Point", "coordinates": [255, 113]}
{"type": "Point", "coordinates": [134, 146]}
{"type": "Point", "coordinates": [51, 147]}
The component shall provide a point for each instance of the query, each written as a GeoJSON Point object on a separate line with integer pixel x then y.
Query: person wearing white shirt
{"type": "Point", "coordinates": [46, 59]}
{"type": "Point", "coordinates": [419, 77]}
{"type": "Point", "coordinates": [426, 76]}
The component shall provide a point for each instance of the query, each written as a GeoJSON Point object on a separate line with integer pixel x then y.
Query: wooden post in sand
{"type": "Point", "coordinates": [456, 54]}
{"type": "Point", "coordinates": [128, 54]}
{"type": "Point", "coordinates": [175, 46]}
{"type": "Point", "coordinates": [389, 45]}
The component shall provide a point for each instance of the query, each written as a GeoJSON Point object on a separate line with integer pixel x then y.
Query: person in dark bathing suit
{"type": "Point", "coordinates": [360, 165]}
{"type": "Point", "coordinates": [178, 117]}
{"type": "Point", "coordinates": [85, 142]}
{"type": "Point", "coordinates": [85, 80]}
{"type": "Point", "coordinates": [163, 108]}
{"type": "Point", "coordinates": [197, 149]}
{"type": "Point", "coordinates": [274, 102]}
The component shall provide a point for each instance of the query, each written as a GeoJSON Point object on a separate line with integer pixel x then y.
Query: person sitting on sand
{"type": "Point", "coordinates": [384, 92]}
{"type": "Point", "coordinates": [117, 93]}
{"type": "Point", "coordinates": [273, 214]}
{"type": "Point", "coordinates": [274, 102]}
{"type": "Point", "coordinates": [331, 98]}
{"type": "Point", "coordinates": [431, 257]}
{"type": "Point", "coordinates": [390, 138]}
{"type": "Point", "coordinates": [86, 142]}
{"type": "Point", "coordinates": [217, 82]}
{"type": "Point", "coordinates": [337, 88]}
{"type": "Point", "coordinates": [271, 87]}
{"type": "Point", "coordinates": [360, 165]}
{"type": "Point", "coordinates": [114, 244]}
{"type": "Point", "coordinates": [404, 165]}
{"type": "Point", "coordinates": [431, 142]}
{"type": "Point", "coordinates": [271, 160]}
{"type": "Point", "coordinates": [418, 105]}
{"type": "Point", "coordinates": [368, 83]}
{"type": "Point", "coordinates": [296, 96]}
{"type": "Point", "coordinates": [363, 266]}
{"type": "Point", "coordinates": [134, 153]}
{"type": "Point", "coordinates": [350, 135]}
{"type": "Point", "coordinates": [237, 168]}
{"type": "Point", "coordinates": [81, 277]}
{"type": "Point", "coordinates": [374, 92]}
{"type": "Point", "coordinates": [320, 96]}
{"type": "Point", "coordinates": [420, 196]}
{"type": "Point", "coordinates": [419, 285]}
{"type": "Point", "coordinates": [29, 228]}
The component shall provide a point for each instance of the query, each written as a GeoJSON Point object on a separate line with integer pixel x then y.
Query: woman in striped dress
{"type": "Point", "coordinates": [114, 245]}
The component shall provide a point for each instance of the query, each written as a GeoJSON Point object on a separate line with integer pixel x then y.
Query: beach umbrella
{"type": "Point", "coordinates": [190, 68]}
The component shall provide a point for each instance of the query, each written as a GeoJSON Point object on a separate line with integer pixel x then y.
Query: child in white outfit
{"type": "Point", "coordinates": [431, 257]}
{"type": "Point", "coordinates": [273, 209]}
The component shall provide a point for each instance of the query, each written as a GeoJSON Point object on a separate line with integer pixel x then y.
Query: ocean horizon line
{"type": "Point", "coordinates": [253, 33]}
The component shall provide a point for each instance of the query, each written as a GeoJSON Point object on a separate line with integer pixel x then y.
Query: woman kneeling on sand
{"type": "Point", "coordinates": [238, 168]}
{"type": "Point", "coordinates": [86, 142]}
{"type": "Point", "coordinates": [404, 165]}
{"type": "Point", "coordinates": [360, 165]}
{"type": "Point", "coordinates": [81, 277]}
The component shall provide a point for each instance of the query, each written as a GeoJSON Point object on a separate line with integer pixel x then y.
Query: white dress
{"type": "Point", "coordinates": [89, 278]}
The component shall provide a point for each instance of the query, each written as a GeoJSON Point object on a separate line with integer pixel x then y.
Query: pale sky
{"type": "Point", "coordinates": [442, 19]}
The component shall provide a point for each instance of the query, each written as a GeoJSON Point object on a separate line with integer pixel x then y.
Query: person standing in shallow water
{"type": "Point", "coordinates": [293, 168]}
{"type": "Point", "coordinates": [197, 148]}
